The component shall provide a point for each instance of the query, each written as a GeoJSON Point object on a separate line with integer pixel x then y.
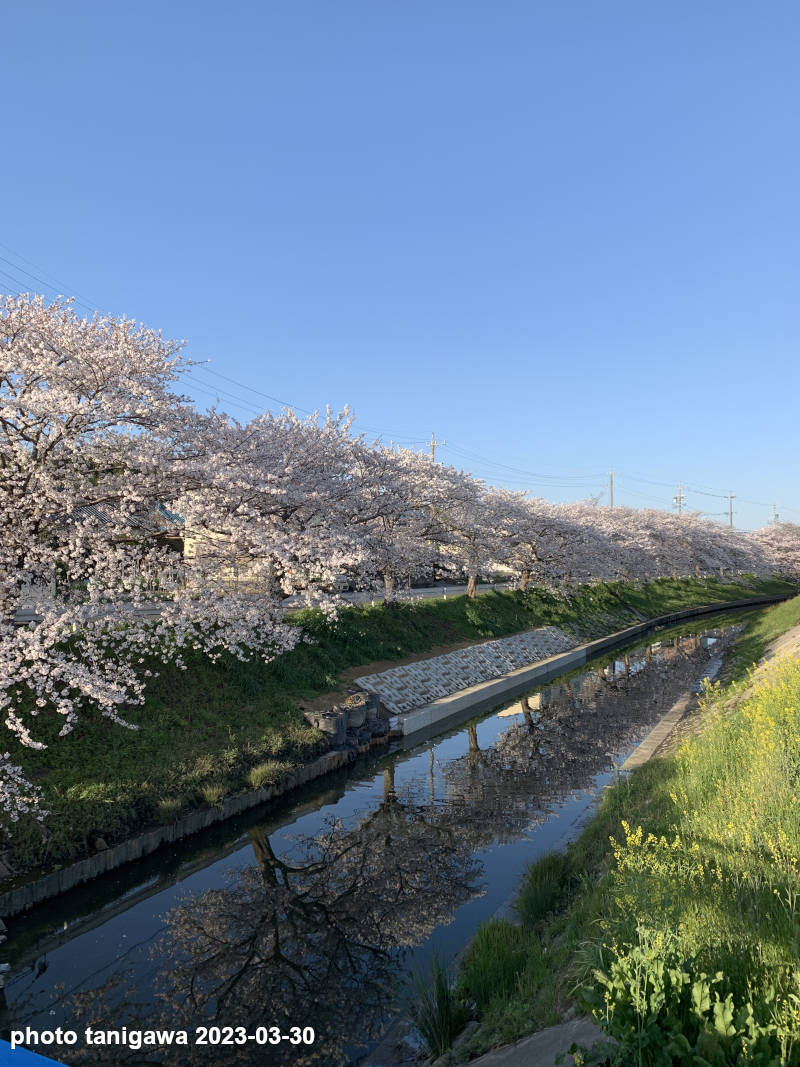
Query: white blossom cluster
{"type": "Point", "coordinates": [17, 795]}
{"type": "Point", "coordinates": [117, 496]}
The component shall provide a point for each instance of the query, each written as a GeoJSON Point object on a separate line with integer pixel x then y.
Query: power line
{"type": "Point", "coordinates": [668, 485]}
{"type": "Point", "coordinates": [46, 273]}
{"type": "Point", "coordinates": [564, 479]}
{"type": "Point", "coordinates": [397, 435]}
{"type": "Point", "coordinates": [191, 380]}
{"type": "Point", "coordinates": [647, 481]}
{"type": "Point", "coordinates": [543, 480]}
{"type": "Point", "coordinates": [211, 389]}
{"type": "Point", "coordinates": [55, 284]}
{"type": "Point", "coordinates": [701, 492]}
{"type": "Point", "coordinates": [257, 392]}
{"type": "Point", "coordinates": [39, 281]}
{"type": "Point", "coordinates": [216, 395]}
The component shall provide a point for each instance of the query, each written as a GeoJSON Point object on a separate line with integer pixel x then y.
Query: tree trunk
{"type": "Point", "coordinates": [265, 857]}
{"type": "Point", "coordinates": [388, 783]}
{"type": "Point", "coordinates": [388, 588]}
{"type": "Point", "coordinates": [472, 583]}
{"type": "Point", "coordinates": [472, 733]}
{"type": "Point", "coordinates": [526, 712]}
{"type": "Point", "coordinates": [524, 578]}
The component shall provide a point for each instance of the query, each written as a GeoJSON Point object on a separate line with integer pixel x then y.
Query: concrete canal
{"type": "Point", "coordinates": [312, 914]}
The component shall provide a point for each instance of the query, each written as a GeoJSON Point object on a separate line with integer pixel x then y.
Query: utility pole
{"type": "Point", "coordinates": [679, 499]}
{"type": "Point", "coordinates": [774, 514]}
{"type": "Point", "coordinates": [611, 488]}
{"type": "Point", "coordinates": [434, 445]}
{"type": "Point", "coordinates": [730, 510]}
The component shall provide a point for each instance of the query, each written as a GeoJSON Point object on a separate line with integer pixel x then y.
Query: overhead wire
{"type": "Point", "coordinates": [39, 281]}
{"type": "Point", "coordinates": [211, 388]}
{"type": "Point", "coordinates": [469, 454]}
{"type": "Point", "coordinates": [58, 284]}
{"type": "Point", "coordinates": [256, 392]}
{"type": "Point", "coordinates": [396, 435]}
{"type": "Point", "coordinates": [639, 493]}
{"type": "Point", "coordinates": [523, 476]}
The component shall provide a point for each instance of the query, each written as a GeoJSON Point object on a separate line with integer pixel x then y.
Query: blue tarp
{"type": "Point", "coordinates": [22, 1057]}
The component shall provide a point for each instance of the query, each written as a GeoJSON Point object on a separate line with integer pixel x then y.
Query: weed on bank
{"type": "Point", "coordinates": [675, 917]}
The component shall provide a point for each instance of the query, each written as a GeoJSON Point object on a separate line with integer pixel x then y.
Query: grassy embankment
{"type": "Point", "coordinates": [215, 729]}
{"type": "Point", "coordinates": [677, 911]}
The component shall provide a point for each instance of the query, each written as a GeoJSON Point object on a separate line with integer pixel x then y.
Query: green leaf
{"type": "Point", "coordinates": [701, 998]}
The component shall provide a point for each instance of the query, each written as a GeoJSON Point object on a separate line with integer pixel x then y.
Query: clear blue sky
{"type": "Point", "coordinates": [563, 235]}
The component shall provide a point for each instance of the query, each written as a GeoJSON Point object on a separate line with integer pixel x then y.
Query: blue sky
{"type": "Point", "coordinates": [563, 235]}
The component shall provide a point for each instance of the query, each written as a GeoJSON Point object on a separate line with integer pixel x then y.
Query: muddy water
{"type": "Point", "coordinates": [312, 915]}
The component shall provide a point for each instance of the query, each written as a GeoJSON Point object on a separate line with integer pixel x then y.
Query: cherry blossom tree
{"type": "Point", "coordinates": [472, 518]}
{"type": "Point", "coordinates": [779, 546]}
{"type": "Point", "coordinates": [96, 452]}
{"type": "Point", "coordinates": [552, 544]}
{"type": "Point", "coordinates": [276, 514]}
{"type": "Point", "coordinates": [399, 497]}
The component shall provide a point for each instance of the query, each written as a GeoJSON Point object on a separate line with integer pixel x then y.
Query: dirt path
{"type": "Point", "coordinates": [694, 721]}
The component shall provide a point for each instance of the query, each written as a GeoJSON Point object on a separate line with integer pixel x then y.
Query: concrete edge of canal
{"type": "Point", "coordinates": [543, 1047]}
{"type": "Point", "coordinates": [425, 721]}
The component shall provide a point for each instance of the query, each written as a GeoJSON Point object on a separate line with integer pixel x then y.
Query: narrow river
{"type": "Point", "coordinates": [312, 913]}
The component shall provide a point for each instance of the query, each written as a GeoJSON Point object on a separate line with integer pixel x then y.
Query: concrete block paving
{"type": "Point", "coordinates": [402, 689]}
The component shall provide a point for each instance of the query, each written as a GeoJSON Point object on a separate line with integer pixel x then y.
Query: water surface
{"type": "Point", "coordinates": [312, 913]}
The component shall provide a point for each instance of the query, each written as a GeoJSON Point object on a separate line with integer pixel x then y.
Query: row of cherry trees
{"type": "Point", "coordinates": [101, 460]}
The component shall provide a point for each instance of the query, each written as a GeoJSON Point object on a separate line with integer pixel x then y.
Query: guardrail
{"type": "Point", "coordinates": [425, 593]}
{"type": "Point", "coordinates": [373, 596]}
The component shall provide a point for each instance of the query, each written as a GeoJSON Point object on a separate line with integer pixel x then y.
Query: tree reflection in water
{"type": "Point", "coordinates": [315, 937]}
{"type": "Point", "coordinates": [313, 941]}
{"type": "Point", "coordinates": [564, 741]}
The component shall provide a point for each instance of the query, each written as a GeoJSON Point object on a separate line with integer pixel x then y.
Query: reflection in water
{"type": "Point", "coordinates": [315, 931]}
{"type": "Point", "coordinates": [312, 940]}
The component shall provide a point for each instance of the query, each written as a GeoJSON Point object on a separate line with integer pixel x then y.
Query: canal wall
{"type": "Point", "coordinates": [25, 896]}
{"type": "Point", "coordinates": [414, 685]}
{"type": "Point", "coordinates": [344, 725]}
{"type": "Point", "coordinates": [447, 711]}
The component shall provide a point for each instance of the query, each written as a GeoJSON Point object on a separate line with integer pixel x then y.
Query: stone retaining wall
{"type": "Point", "coordinates": [25, 896]}
{"type": "Point", "coordinates": [412, 686]}
{"type": "Point", "coordinates": [447, 711]}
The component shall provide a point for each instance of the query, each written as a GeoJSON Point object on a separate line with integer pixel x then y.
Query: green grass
{"type": "Point", "coordinates": [676, 913]}
{"type": "Point", "coordinates": [503, 966]}
{"type": "Point", "coordinates": [436, 1009]}
{"type": "Point", "coordinates": [216, 728]}
{"type": "Point", "coordinates": [545, 887]}
{"type": "Point", "coordinates": [674, 594]}
{"type": "Point", "coordinates": [769, 625]}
